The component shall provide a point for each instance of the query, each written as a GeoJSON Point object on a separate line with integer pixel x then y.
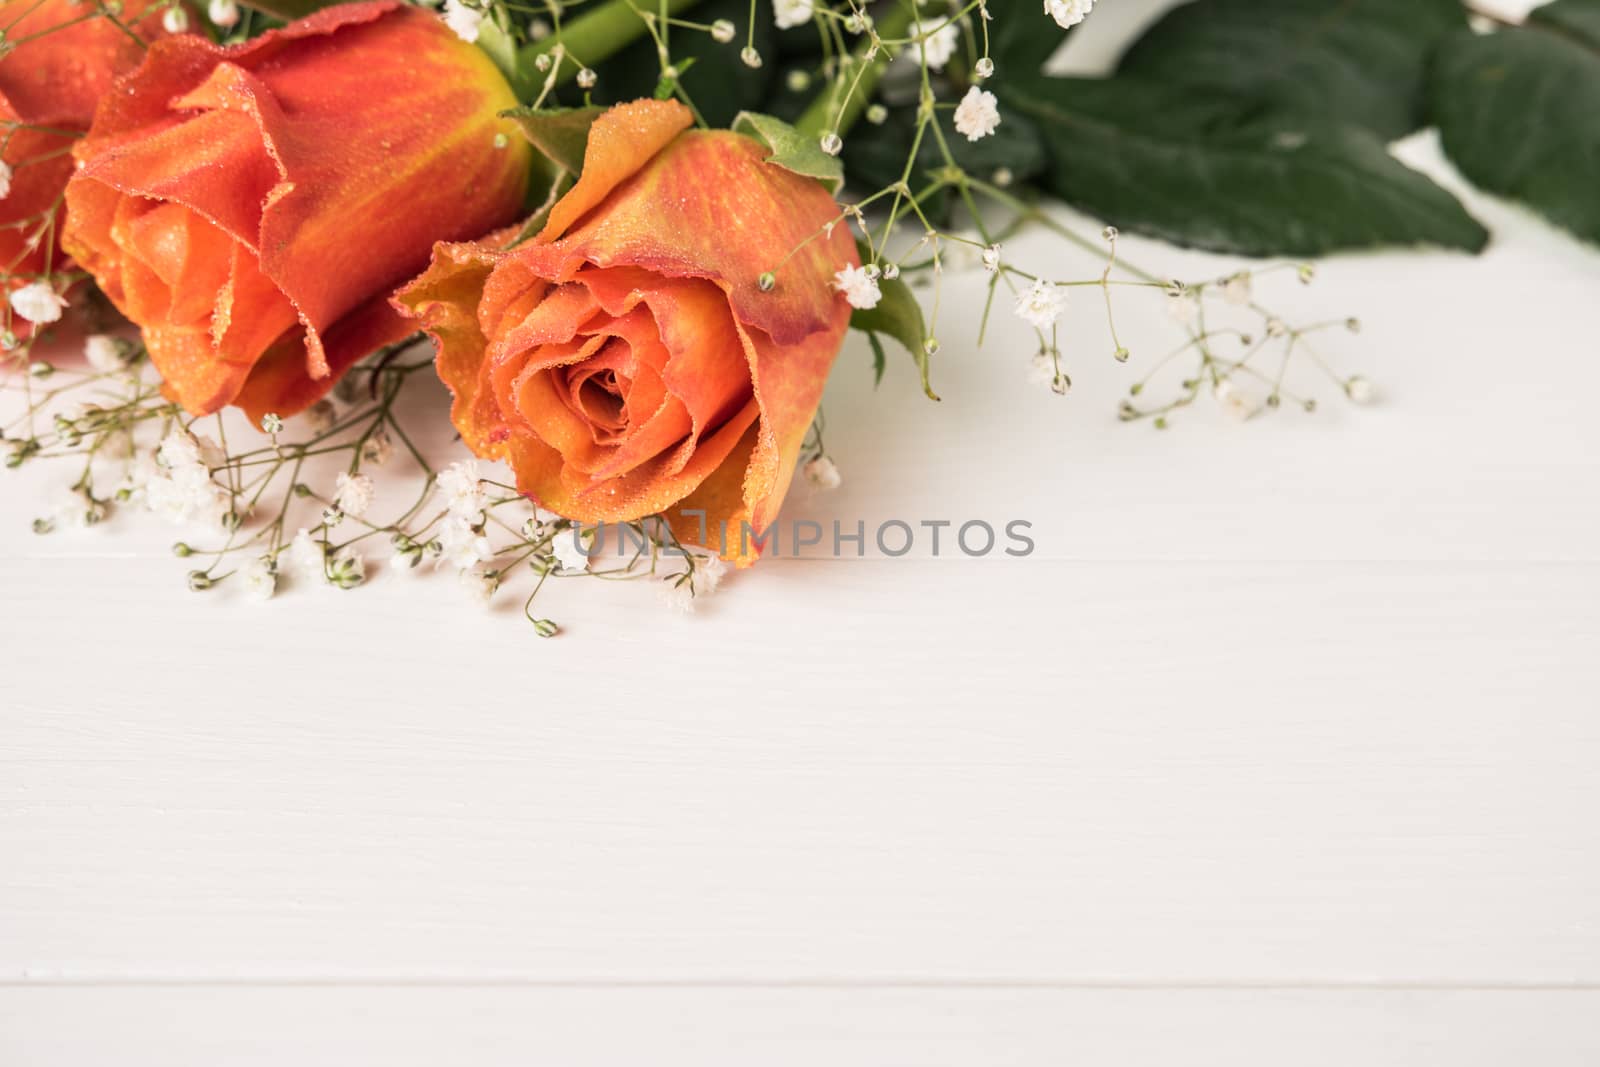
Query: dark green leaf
{"type": "Point", "coordinates": [880, 360]}
{"type": "Point", "coordinates": [1579, 19]}
{"type": "Point", "coordinates": [720, 85]}
{"type": "Point", "coordinates": [1357, 61]}
{"type": "Point", "coordinates": [900, 316]}
{"type": "Point", "coordinates": [790, 149]}
{"type": "Point", "coordinates": [1519, 112]}
{"type": "Point", "coordinates": [559, 134]}
{"type": "Point", "coordinates": [1180, 166]}
{"type": "Point", "coordinates": [1021, 37]}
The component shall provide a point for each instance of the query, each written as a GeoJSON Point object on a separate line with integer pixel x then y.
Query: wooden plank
{"type": "Point", "coordinates": [179, 1027]}
{"type": "Point", "coordinates": [908, 770]}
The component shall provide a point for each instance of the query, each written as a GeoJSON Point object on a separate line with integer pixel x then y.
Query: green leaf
{"type": "Point", "coordinates": [880, 360]}
{"type": "Point", "coordinates": [720, 85]}
{"type": "Point", "coordinates": [1180, 166]}
{"type": "Point", "coordinates": [1356, 61]}
{"type": "Point", "coordinates": [1519, 113]}
{"type": "Point", "coordinates": [900, 316]}
{"type": "Point", "coordinates": [791, 149]}
{"type": "Point", "coordinates": [1021, 37]}
{"type": "Point", "coordinates": [560, 134]}
{"type": "Point", "coordinates": [1579, 19]}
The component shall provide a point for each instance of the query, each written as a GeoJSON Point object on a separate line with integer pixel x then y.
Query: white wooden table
{"type": "Point", "coordinates": [1280, 750]}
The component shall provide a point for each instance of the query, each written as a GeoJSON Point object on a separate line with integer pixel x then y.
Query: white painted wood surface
{"type": "Point", "coordinates": [1280, 749]}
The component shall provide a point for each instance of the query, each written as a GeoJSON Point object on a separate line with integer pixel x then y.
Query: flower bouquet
{"type": "Point", "coordinates": [630, 237]}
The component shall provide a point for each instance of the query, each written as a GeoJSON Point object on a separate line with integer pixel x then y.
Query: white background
{"type": "Point", "coordinates": [1281, 748]}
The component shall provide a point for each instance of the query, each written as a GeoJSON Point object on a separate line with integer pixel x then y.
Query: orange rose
{"type": "Point", "coordinates": [252, 208]}
{"type": "Point", "coordinates": [49, 85]}
{"type": "Point", "coordinates": [626, 361]}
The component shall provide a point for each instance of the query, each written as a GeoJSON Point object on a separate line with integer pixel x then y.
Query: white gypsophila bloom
{"type": "Point", "coordinates": [940, 45]}
{"type": "Point", "coordinates": [1040, 304]}
{"type": "Point", "coordinates": [463, 490]}
{"type": "Point", "coordinates": [463, 21]}
{"type": "Point", "coordinates": [378, 448]}
{"type": "Point", "coordinates": [260, 577]}
{"type": "Point", "coordinates": [991, 258]}
{"type": "Point", "coordinates": [703, 580]}
{"type": "Point", "coordinates": [180, 449]}
{"type": "Point", "coordinates": [822, 473]}
{"type": "Point", "coordinates": [462, 547]}
{"type": "Point", "coordinates": [1068, 13]}
{"type": "Point", "coordinates": [105, 353]}
{"type": "Point", "coordinates": [1184, 309]}
{"type": "Point", "coordinates": [1237, 404]}
{"type": "Point", "coordinates": [1361, 390]}
{"type": "Point", "coordinates": [353, 494]}
{"type": "Point", "coordinates": [1236, 290]}
{"type": "Point", "coordinates": [308, 558]}
{"type": "Point", "coordinates": [859, 287]}
{"type": "Point", "coordinates": [791, 13]}
{"type": "Point", "coordinates": [176, 20]}
{"type": "Point", "coordinates": [223, 13]}
{"type": "Point", "coordinates": [479, 584]}
{"type": "Point", "coordinates": [5, 179]}
{"type": "Point", "coordinates": [187, 494]}
{"type": "Point", "coordinates": [978, 114]}
{"type": "Point", "coordinates": [1043, 370]}
{"type": "Point", "coordinates": [38, 302]}
{"type": "Point", "coordinates": [571, 549]}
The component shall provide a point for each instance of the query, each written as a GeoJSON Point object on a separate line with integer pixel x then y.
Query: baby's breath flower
{"type": "Point", "coordinates": [1040, 304]}
{"type": "Point", "coordinates": [586, 78]}
{"type": "Point", "coordinates": [1236, 290]}
{"type": "Point", "coordinates": [463, 21]}
{"type": "Point", "coordinates": [571, 549]}
{"type": "Point", "coordinates": [859, 286]}
{"type": "Point", "coordinates": [940, 45]}
{"type": "Point", "coordinates": [260, 577]}
{"type": "Point", "coordinates": [701, 578]}
{"type": "Point", "coordinates": [5, 179]}
{"type": "Point", "coordinates": [1183, 308]}
{"type": "Point", "coordinates": [175, 20]}
{"type": "Point", "coordinates": [1043, 370]}
{"type": "Point", "coordinates": [991, 258]}
{"type": "Point", "coordinates": [105, 353]}
{"type": "Point", "coordinates": [308, 558]}
{"type": "Point", "coordinates": [822, 473]}
{"type": "Point", "coordinates": [37, 302]}
{"type": "Point", "coordinates": [223, 13]}
{"type": "Point", "coordinates": [1068, 13]}
{"type": "Point", "coordinates": [723, 31]}
{"type": "Point", "coordinates": [1237, 404]}
{"type": "Point", "coordinates": [461, 546]}
{"type": "Point", "coordinates": [978, 114]}
{"type": "Point", "coordinates": [1360, 390]}
{"type": "Point", "coordinates": [791, 13]}
{"type": "Point", "coordinates": [480, 584]}
{"type": "Point", "coordinates": [464, 494]}
{"type": "Point", "coordinates": [353, 494]}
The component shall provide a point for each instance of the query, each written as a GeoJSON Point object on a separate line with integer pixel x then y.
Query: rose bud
{"type": "Point", "coordinates": [252, 208]}
{"type": "Point", "coordinates": [61, 61]}
{"type": "Point", "coordinates": [627, 361]}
